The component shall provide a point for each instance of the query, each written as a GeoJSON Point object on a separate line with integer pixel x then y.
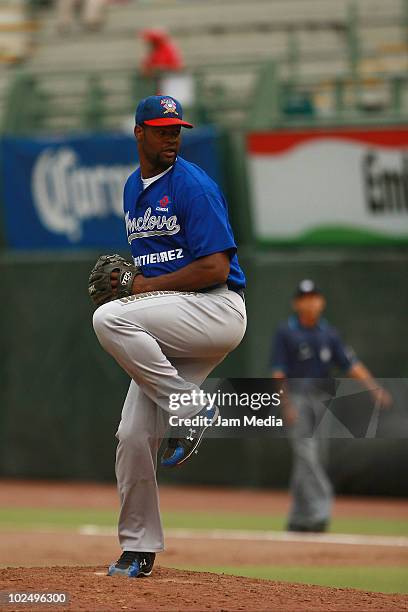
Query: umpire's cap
{"type": "Point", "coordinates": [307, 287]}
{"type": "Point", "coordinates": [160, 111]}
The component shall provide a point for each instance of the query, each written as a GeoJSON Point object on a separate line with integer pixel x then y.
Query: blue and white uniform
{"type": "Point", "coordinates": [176, 219]}
{"type": "Point", "coordinates": [309, 352]}
{"type": "Point", "coordinates": [307, 356]}
{"type": "Point", "coordinates": [167, 341]}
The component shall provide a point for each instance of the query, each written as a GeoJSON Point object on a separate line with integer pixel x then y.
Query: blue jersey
{"type": "Point", "coordinates": [309, 352]}
{"type": "Point", "coordinates": [180, 217]}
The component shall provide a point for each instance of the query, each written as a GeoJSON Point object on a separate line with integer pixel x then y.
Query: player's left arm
{"type": "Point", "coordinates": [354, 368]}
{"type": "Point", "coordinates": [378, 393]}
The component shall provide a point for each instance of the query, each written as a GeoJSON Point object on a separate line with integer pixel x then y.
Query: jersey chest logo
{"type": "Point", "coordinates": [163, 204]}
{"type": "Point", "coordinates": [150, 225]}
{"type": "Point", "coordinates": [304, 351]}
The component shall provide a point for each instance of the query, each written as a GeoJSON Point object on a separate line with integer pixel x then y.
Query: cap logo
{"type": "Point", "coordinates": [306, 285]}
{"type": "Point", "coordinates": [169, 106]}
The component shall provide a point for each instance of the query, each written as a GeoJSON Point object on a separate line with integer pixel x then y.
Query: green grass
{"type": "Point", "coordinates": [223, 520]}
{"type": "Point", "coordinates": [377, 579]}
{"type": "Point", "coordinates": [32, 518]}
{"type": "Point", "coordinates": [203, 520]}
{"type": "Point", "coordinates": [370, 526]}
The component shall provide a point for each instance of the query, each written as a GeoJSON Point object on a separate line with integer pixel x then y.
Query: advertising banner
{"type": "Point", "coordinates": [67, 192]}
{"type": "Point", "coordinates": [343, 186]}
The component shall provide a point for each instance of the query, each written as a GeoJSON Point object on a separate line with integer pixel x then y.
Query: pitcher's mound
{"type": "Point", "coordinates": [90, 589]}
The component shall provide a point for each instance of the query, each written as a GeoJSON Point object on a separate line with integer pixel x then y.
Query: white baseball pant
{"type": "Point", "coordinates": [168, 342]}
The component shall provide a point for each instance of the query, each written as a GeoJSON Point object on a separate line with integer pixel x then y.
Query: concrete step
{"type": "Point", "coordinates": [114, 50]}
{"type": "Point", "coordinates": [229, 13]}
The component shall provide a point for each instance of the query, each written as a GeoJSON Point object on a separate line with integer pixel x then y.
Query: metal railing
{"type": "Point", "coordinates": [71, 102]}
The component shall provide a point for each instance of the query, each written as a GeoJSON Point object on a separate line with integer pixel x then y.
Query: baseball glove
{"type": "Point", "coordinates": [99, 285]}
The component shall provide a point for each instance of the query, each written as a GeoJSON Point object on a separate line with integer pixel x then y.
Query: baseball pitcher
{"type": "Point", "coordinates": [168, 318]}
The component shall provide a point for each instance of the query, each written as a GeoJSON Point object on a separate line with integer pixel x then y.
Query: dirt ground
{"type": "Point", "coordinates": [76, 563]}
{"type": "Point", "coordinates": [37, 494]}
{"type": "Point", "coordinates": [169, 590]}
{"type": "Point", "coordinates": [67, 548]}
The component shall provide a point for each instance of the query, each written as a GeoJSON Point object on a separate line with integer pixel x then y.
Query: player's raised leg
{"type": "Point", "coordinates": [145, 334]}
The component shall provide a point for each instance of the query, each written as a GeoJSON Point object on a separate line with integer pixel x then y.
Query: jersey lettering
{"type": "Point", "coordinates": [152, 258]}
{"type": "Point", "coordinates": [150, 225]}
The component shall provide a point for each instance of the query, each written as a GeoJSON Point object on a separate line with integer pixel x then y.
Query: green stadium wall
{"type": "Point", "coordinates": [61, 395]}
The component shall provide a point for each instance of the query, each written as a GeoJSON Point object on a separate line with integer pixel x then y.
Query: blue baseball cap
{"type": "Point", "coordinates": [159, 111]}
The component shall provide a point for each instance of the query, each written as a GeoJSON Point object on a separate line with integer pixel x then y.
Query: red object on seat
{"type": "Point", "coordinates": [163, 55]}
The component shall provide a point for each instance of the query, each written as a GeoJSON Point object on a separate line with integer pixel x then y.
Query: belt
{"type": "Point", "coordinates": [238, 290]}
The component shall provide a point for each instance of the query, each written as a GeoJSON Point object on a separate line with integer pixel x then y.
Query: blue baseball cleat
{"type": "Point", "coordinates": [133, 564]}
{"type": "Point", "coordinates": [180, 449]}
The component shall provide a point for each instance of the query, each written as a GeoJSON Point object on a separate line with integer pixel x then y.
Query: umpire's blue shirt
{"type": "Point", "coordinates": [309, 352]}
{"type": "Point", "coordinates": [180, 217]}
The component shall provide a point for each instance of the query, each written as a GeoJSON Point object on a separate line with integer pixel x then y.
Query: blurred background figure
{"type": "Point", "coordinates": [91, 14]}
{"type": "Point", "coordinates": [305, 351]}
{"type": "Point", "coordinates": [163, 67]}
{"type": "Point", "coordinates": [163, 54]}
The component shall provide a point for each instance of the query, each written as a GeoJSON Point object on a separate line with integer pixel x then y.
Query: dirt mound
{"type": "Point", "coordinates": [167, 589]}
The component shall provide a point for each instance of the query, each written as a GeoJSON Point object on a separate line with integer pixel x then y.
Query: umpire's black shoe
{"type": "Point", "coordinates": [133, 564]}
{"type": "Point", "coordinates": [180, 449]}
{"type": "Point", "coordinates": [319, 527]}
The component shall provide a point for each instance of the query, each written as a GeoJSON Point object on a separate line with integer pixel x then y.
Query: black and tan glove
{"type": "Point", "coordinates": [99, 285]}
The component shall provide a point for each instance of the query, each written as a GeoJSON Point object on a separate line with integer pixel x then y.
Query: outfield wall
{"type": "Point", "coordinates": [61, 395]}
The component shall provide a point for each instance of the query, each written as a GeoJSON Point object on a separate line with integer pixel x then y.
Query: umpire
{"type": "Point", "coordinates": [305, 350]}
